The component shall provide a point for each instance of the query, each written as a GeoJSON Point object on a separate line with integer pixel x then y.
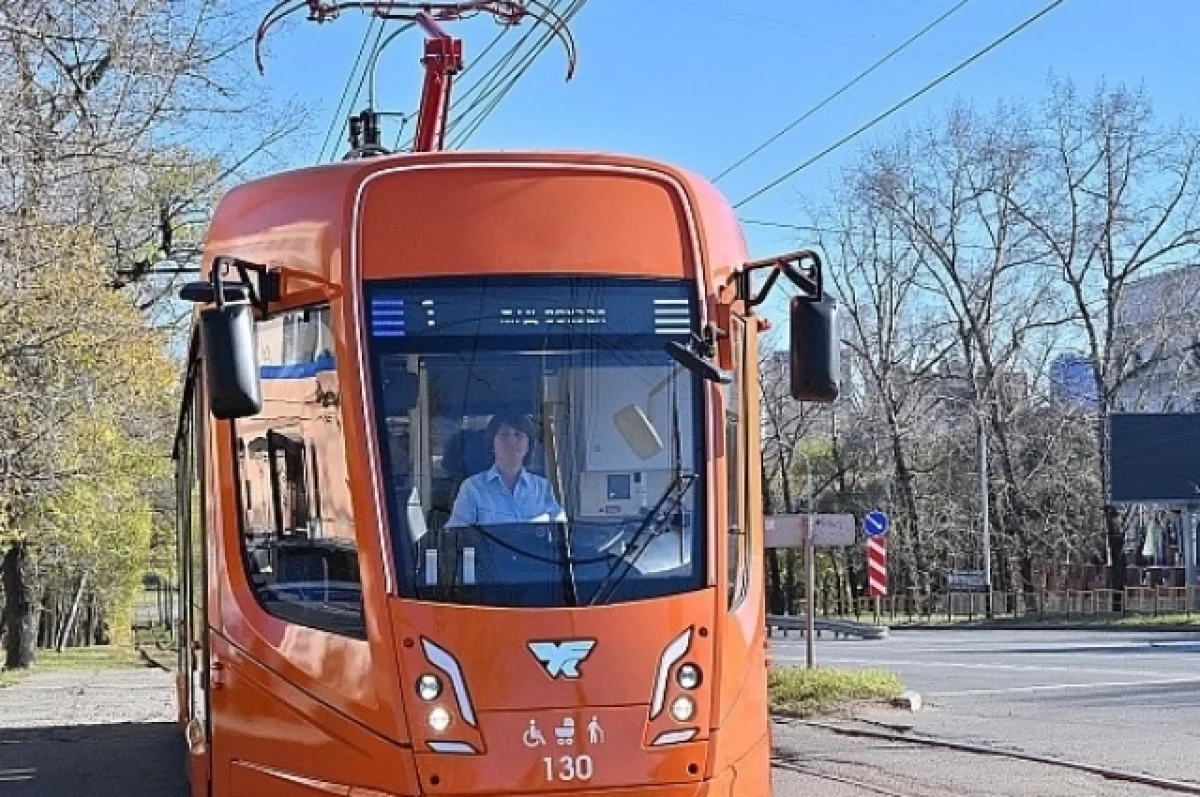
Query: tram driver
{"type": "Point", "coordinates": [506, 492]}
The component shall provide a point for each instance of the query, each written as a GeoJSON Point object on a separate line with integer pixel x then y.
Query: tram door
{"type": "Point", "coordinates": [193, 592]}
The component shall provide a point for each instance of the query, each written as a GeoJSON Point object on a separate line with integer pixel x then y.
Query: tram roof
{"type": "Point", "coordinates": [301, 220]}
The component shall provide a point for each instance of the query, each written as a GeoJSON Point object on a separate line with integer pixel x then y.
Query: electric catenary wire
{"type": "Point", "coordinates": [860, 76]}
{"type": "Point", "coordinates": [500, 85]}
{"type": "Point", "coordinates": [474, 62]}
{"type": "Point", "coordinates": [904, 102]}
{"type": "Point", "coordinates": [517, 73]}
{"type": "Point", "coordinates": [485, 86]}
{"type": "Point", "coordinates": [336, 123]}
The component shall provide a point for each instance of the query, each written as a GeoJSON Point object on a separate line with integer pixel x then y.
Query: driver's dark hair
{"type": "Point", "coordinates": [512, 419]}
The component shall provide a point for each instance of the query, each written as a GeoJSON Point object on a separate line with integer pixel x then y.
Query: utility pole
{"type": "Point", "coordinates": [810, 571]}
{"type": "Point", "coordinates": [983, 511]}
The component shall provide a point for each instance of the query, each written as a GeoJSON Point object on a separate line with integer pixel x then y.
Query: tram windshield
{"type": "Point", "coordinates": [540, 446]}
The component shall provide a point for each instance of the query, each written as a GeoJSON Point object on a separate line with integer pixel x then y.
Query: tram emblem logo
{"type": "Point", "coordinates": [562, 658]}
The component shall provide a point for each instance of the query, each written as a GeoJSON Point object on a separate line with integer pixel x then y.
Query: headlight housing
{"type": "Point", "coordinates": [439, 719]}
{"type": "Point", "coordinates": [688, 676]}
{"type": "Point", "coordinates": [683, 709]}
{"type": "Point", "coordinates": [429, 687]}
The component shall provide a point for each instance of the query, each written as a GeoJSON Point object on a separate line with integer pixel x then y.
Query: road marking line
{"type": "Point", "coordinates": [1048, 687]}
{"type": "Point", "coordinates": [965, 666]}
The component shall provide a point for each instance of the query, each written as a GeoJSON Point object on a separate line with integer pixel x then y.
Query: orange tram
{"type": "Point", "coordinates": [468, 479]}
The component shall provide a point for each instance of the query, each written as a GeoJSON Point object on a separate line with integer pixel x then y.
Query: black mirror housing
{"type": "Point", "coordinates": [815, 361]}
{"type": "Point", "coordinates": [231, 361]}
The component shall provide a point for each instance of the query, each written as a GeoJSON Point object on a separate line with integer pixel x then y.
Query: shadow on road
{"type": "Point", "coordinates": [132, 760]}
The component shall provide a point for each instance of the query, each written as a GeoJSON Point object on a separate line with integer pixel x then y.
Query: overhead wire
{"type": "Point", "coordinates": [487, 85]}
{"type": "Point", "coordinates": [517, 73]}
{"type": "Point", "coordinates": [846, 87]}
{"type": "Point", "coordinates": [488, 76]}
{"type": "Point", "coordinates": [899, 105]}
{"type": "Point", "coordinates": [841, 231]}
{"type": "Point", "coordinates": [336, 121]}
{"type": "Point", "coordinates": [470, 66]}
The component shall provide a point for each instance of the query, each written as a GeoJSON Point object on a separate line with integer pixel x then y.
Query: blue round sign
{"type": "Point", "coordinates": [875, 524]}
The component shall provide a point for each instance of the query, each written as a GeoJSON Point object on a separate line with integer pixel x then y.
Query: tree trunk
{"type": "Point", "coordinates": [775, 596]}
{"type": "Point", "coordinates": [20, 607]}
{"type": "Point", "coordinates": [1028, 589]}
{"type": "Point", "coordinates": [1116, 552]}
{"type": "Point", "coordinates": [792, 590]}
{"type": "Point", "coordinates": [93, 635]}
{"type": "Point", "coordinates": [69, 625]}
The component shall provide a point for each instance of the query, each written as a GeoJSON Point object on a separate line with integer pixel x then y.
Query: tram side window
{"type": "Point", "coordinates": [738, 540]}
{"type": "Point", "coordinates": [298, 534]}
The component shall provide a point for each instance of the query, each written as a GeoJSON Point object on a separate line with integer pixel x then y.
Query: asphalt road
{"type": "Point", "coordinates": [1124, 700]}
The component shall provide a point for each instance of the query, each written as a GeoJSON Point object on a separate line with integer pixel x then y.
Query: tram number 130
{"type": "Point", "coordinates": [568, 768]}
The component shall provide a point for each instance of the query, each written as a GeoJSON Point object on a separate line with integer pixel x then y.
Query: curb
{"type": "Point", "coordinates": [1113, 629]}
{"type": "Point", "coordinates": [908, 699]}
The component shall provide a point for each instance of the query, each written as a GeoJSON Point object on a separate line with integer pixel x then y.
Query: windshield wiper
{"type": "Point", "coordinates": [654, 522]}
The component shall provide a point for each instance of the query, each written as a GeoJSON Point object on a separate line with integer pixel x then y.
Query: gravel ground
{"type": "Point", "coordinates": [95, 732]}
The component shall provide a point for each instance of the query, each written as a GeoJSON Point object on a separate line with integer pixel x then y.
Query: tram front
{"type": "Point", "coordinates": [543, 460]}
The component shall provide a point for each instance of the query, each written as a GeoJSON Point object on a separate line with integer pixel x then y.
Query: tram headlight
{"type": "Point", "coordinates": [683, 709]}
{"type": "Point", "coordinates": [429, 687]}
{"type": "Point", "coordinates": [439, 719]}
{"type": "Point", "coordinates": [688, 676]}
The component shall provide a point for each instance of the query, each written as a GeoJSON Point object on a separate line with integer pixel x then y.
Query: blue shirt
{"type": "Point", "coordinates": [485, 499]}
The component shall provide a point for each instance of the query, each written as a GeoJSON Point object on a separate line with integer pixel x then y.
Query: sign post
{"type": "Point", "coordinates": [875, 526]}
{"type": "Point", "coordinates": [810, 573]}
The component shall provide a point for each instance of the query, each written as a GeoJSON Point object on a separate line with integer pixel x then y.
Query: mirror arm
{"type": "Point", "coordinates": [268, 289]}
{"type": "Point", "coordinates": [268, 280]}
{"type": "Point", "coordinates": [802, 268]}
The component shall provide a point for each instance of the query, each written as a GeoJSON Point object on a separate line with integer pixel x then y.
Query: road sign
{"type": "Point", "coordinates": [966, 581]}
{"type": "Point", "coordinates": [789, 531]}
{"type": "Point", "coordinates": [875, 524]}
{"type": "Point", "coordinates": [877, 574]}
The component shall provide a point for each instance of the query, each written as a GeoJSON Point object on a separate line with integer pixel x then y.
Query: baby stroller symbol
{"type": "Point", "coordinates": [565, 733]}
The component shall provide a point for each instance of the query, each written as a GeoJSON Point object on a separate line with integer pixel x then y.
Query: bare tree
{"type": "Point", "coordinates": [1113, 198]}
{"type": "Point", "coordinates": [943, 188]}
{"type": "Point", "coordinates": [893, 348]}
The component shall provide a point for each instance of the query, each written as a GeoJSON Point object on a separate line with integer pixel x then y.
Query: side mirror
{"type": "Point", "coordinates": [231, 361]}
{"type": "Point", "coordinates": [815, 361]}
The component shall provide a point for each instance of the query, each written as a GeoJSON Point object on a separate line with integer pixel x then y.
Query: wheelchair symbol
{"type": "Point", "coordinates": [533, 736]}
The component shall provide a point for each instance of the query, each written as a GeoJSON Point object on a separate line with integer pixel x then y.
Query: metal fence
{"type": "Point", "coordinates": [1098, 604]}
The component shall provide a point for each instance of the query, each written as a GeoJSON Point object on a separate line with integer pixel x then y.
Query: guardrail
{"type": "Point", "coordinates": [839, 628]}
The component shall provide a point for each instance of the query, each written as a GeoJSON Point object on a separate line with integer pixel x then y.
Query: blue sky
{"type": "Point", "coordinates": [702, 82]}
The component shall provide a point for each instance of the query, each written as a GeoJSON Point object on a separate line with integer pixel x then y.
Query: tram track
{"type": "Point", "coordinates": [794, 764]}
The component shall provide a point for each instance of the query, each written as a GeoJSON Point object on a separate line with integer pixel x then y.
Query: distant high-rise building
{"type": "Point", "coordinates": [1073, 380]}
{"type": "Point", "coordinates": [1156, 337]}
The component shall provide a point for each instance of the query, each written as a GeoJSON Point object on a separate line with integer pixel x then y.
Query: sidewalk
{"type": "Point", "coordinates": [96, 732]}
